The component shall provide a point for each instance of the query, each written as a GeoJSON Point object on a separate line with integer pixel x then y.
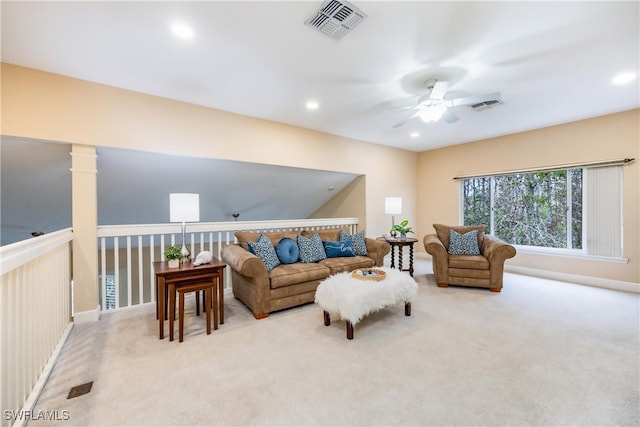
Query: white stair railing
{"type": "Point", "coordinates": [35, 318]}
{"type": "Point", "coordinates": [127, 252]}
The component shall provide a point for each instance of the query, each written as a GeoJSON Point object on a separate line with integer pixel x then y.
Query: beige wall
{"type": "Point", "coordinates": [349, 202]}
{"type": "Point", "coordinates": [603, 138]}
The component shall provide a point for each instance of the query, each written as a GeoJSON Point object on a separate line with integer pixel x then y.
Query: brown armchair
{"type": "Point", "coordinates": [482, 271]}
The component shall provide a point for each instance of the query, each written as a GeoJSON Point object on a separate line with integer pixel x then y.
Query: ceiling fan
{"type": "Point", "coordinates": [432, 106]}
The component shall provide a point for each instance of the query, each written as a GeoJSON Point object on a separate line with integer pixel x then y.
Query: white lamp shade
{"type": "Point", "coordinates": [184, 207]}
{"type": "Point", "coordinates": [393, 205]}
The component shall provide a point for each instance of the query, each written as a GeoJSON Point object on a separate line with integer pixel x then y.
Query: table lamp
{"type": "Point", "coordinates": [393, 206]}
{"type": "Point", "coordinates": [184, 207]}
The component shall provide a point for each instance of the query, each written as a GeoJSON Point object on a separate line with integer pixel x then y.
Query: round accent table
{"type": "Point", "coordinates": [400, 244]}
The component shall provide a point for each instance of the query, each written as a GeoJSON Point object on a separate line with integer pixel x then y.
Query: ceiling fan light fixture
{"type": "Point", "coordinates": [432, 114]}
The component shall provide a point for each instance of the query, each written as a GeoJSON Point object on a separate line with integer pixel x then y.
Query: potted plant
{"type": "Point", "coordinates": [402, 228]}
{"type": "Point", "coordinates": [172, 255]}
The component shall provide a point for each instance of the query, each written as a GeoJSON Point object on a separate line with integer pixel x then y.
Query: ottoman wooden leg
{"type": "Point", "coordinates": [349, 330]}
{"type": "Point", "coordinates": [327, 319]}
{"type": "Point", "coordinates": [407, 309]}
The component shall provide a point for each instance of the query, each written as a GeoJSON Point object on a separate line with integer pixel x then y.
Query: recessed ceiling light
{"type": "Point", "coordinates": [182, 30]}
{"type": "Point", "coordinates": [312, 105]}
{"type": "Point", "coordinates": [624, 78]}
{"type": "Point", "coordinates": [414, 134]}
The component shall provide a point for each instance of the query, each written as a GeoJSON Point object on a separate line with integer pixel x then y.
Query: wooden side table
{"type": "Point", "coordinates": [168, 278]}
{"type": "Point", "coordinates": [400, 244]}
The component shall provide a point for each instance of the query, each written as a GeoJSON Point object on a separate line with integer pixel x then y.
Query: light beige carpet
{"type": "Point", "coordinates": [539, 353]}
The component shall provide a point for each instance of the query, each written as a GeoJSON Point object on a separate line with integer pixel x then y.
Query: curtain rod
{"type": "Point", "coordinates": [552, 168]}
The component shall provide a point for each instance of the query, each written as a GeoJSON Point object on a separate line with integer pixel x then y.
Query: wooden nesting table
{"type": "Point", "coordinates": [187, 274]}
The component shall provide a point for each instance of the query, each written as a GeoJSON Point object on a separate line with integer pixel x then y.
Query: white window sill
{"type": "Point", "coordinates": [569, 253]}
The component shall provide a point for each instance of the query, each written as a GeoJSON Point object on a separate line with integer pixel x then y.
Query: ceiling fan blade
{"type": "Point", "coordinates": [474, 99]}
{"type": "Point", "coordinates": [439, 90]}
{"type": "Point", "coordinates": [402, 122]}
{"type": "Point", "coordinates": [449, 117]}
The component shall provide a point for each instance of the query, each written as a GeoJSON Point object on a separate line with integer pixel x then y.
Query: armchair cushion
{"type": "Point", "coordinates": [443, 232]}
{"type": "Point", "coordinates": [463, 244]}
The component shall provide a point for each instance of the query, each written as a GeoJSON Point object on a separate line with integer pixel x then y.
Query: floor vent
{"type": "Point", "coordinates": [336, 18]}
{"type": "Point", "coordinates": [486, 105]}
{"type": "Point", "coordinates": [79, 390]}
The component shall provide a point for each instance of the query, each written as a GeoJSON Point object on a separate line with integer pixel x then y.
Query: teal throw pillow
{"type": "Point", "coordinates": [263, 248]}
{"type": "Point", "coordinates": [463, 244]}
{"type": "Point", "coordinates": [287, 251]}
{"type": "Point", "coordinates": [339, 249]}
{"type": "Point", "coordinates": [359, 244]}
{"type": "Point", "coordinates": [311, 250]}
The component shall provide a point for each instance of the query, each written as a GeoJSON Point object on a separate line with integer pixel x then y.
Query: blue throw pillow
{"type": "Point", "coordinates": [338, 249]}
{"type": "Point", "coordinates": [311, 250]}
{"type": "Point", "coordinates": [463, 244]}
{"type": "Point", "coordinates": [263, 248]}
{"type": "Point", "coordinates": [287, 251]}
{"type": "Point", "coordinates": [359, 244]}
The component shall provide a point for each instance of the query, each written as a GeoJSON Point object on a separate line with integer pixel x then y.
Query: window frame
{"type": "Point", "coordinates": [566, 252]}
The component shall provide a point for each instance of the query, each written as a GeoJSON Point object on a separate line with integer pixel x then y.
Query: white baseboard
{"type": "Point", "coordinates": [87, 316]}
{"type": "Point", "coordinates": [597, 282]}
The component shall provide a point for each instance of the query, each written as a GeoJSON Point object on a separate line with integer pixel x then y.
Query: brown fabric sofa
{"type": "Point", "coordinates": [482, 271]}
{"type": "Point", "coordinates": [288, 285]}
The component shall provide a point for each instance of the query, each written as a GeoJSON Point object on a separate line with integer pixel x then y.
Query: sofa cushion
{"type": "Point", "coordinates": [342, 248]}
{"type": "Point", "coordinates": [358, 241]}
{"type": "Point", "coordinates": [311, 250]}
{"type": "Point", "coordinates": [293, 274]}
{"type": "Point", "coordinates": [263, 248]}
{"type": "Point", "coordinates": [287, 251]}
{"type": "Point", "coordinates": [338, 265]}
{"type": "Point", "coordinates": [463, 244]}
{"type": "Point", "coordinates": [328, 235]}
{"type": "Point", "coordinates": [443, 232]}
{"type": "Point", "coordinates": [474, 262]}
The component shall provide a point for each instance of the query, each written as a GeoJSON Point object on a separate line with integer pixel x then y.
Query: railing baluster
{"type": "Point", "coordinates": [152, 253]}
{"type": "Point", "coordinates": [140, 275]}
{"type": "Point", "coordinates": [129, 284]}
{"type": "Point", "coordinates": [116, 270]}
{"type": "Point", "coordinates": [103, 271]}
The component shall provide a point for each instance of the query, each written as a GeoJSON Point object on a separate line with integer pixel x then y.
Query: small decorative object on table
{"type": "Point", "coordinates": [173, 255]}
{"type": "Point", "coordinates": [203, 257]}
{"type": "Point", "coordinates": [368, 274]}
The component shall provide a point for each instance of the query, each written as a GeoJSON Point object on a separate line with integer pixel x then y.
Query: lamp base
{"type": "Point", "coordinates": [186, 255]}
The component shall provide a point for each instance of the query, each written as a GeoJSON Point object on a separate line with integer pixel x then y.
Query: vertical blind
{"type": "Point", "coordinates": [603, 210]}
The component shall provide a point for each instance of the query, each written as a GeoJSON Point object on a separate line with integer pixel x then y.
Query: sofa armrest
{"type": "Point", "coordinates": [440, 258]}
{"type": "Point", "coordinates": [377, 250]}
{"type": "Point", "coordinates": [434, 246]}
{"type": "Point", "coordinates": [243, 261]}
{"type": "Point", "coordinates": [497, 250]}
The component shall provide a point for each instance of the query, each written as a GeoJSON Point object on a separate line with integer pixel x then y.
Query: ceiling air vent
{"type": "Point", "coordinates": [336, 18]}
{"type": "Point", "coordinates": [486, 105]}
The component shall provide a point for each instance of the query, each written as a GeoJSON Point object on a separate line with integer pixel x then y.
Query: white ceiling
{"type": "Point", "coordinates": [552, 61]}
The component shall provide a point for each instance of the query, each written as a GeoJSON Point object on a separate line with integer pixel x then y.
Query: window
{"type": "Point", "coordinates": [575, 209]}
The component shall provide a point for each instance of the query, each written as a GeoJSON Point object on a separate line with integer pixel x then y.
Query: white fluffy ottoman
{"type": "Point", "coordinates": [353, 299]}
